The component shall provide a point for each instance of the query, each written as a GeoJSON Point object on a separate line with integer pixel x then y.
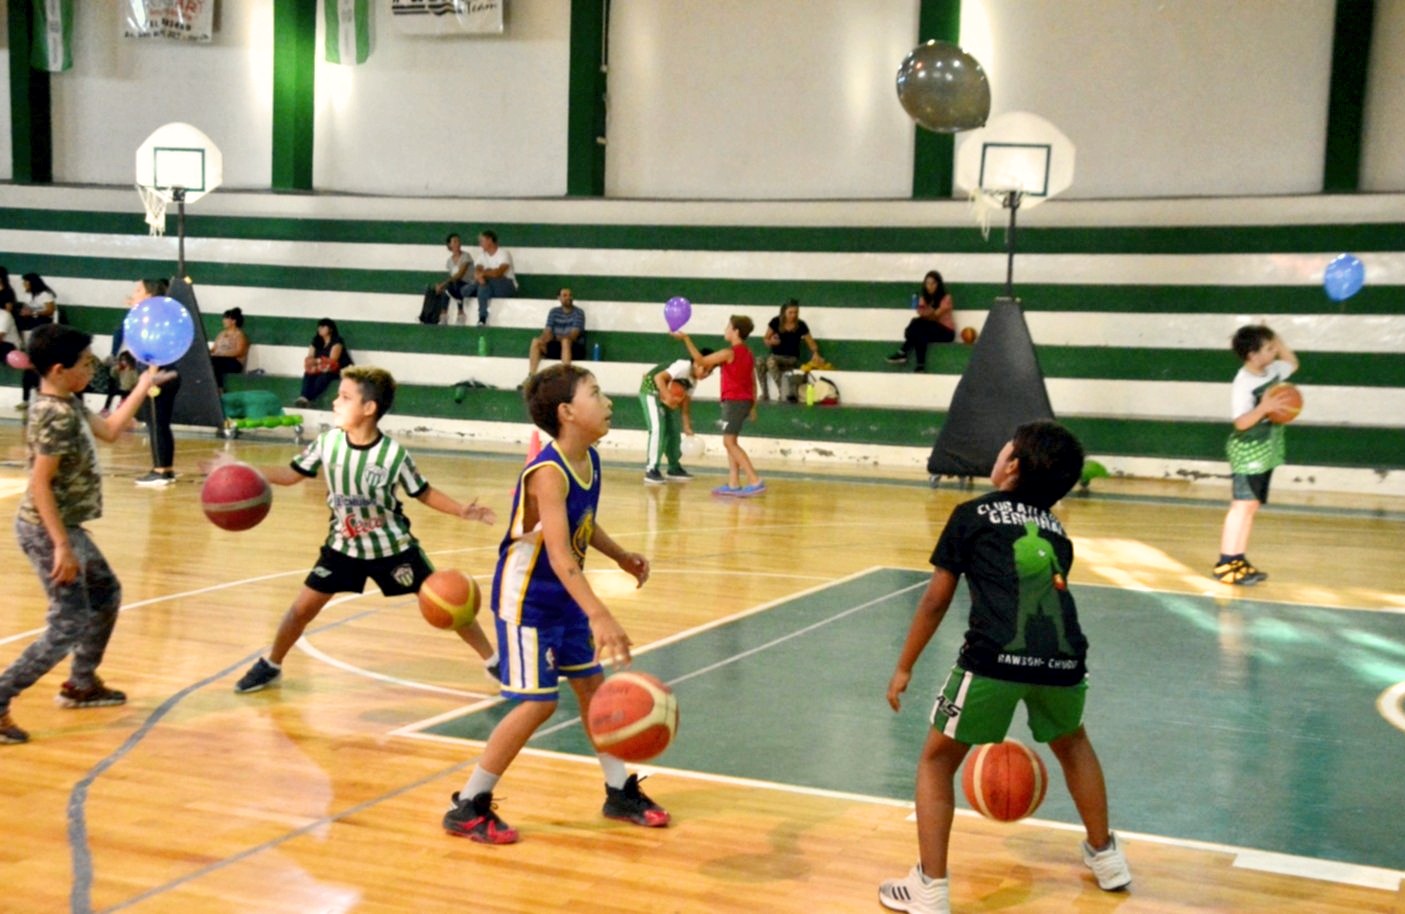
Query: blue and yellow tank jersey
{"type": "Point", "coordinates": [526, 591]}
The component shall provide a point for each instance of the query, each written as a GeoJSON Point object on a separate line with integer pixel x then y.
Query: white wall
{"type": "Point", "coordinates": [462, 116]}
{"type": "Point", "coordinates": [1166, 99]}
{"type": "Point", "coordinates": [758, 99]}
{"type": "Point", "coordinates": [7, 164]}
{"type": "Point", "coordinates": [1382, 162]}
{"type": "Point", "coordinates": [121, 89]}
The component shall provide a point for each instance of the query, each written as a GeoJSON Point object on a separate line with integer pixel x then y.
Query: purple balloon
{"type": "Point", "coordinates": [17, 360]}
{"type": "Point", "coordinates": [677, 312]}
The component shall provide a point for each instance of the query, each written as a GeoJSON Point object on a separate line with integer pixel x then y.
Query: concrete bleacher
{"type": "Point", "coordinates": [1131, 323]}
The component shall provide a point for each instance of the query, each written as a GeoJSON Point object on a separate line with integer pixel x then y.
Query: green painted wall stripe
{"type": "Point", "coordinates": [934, 154]}
{"type": "Point", "coordinates": [31, 113]}
{"type": "Point", "coordinates": [294, 69]}
{"type": "Point", "coordinates": [585, 112]}
{"type": "Point", "coordinates": [766, 294]}
{"type": "Point", "coordinates": [1348, 369]}
{"type": "Point", "coordinates": [1270, 239]}
{"type": "Point", "coordinates": [1346, 104]}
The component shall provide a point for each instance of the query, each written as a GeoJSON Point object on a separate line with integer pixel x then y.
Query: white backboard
{"type": "Point", "coordinates": [179, 155]}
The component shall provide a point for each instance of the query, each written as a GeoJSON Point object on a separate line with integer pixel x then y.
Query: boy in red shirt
{"type": "Point", "coordinates": [738, 401]}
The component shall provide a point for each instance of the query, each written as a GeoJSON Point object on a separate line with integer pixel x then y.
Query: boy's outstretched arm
{"type": "Point", "coordinates": [439, 501]}
{"type": "Point", "coordinates": [931, 609]}
{"type": "Point", "coordinates": [632, 562]}
{"type": "Point", "coordinates": [719, 357]}
{"type": "Point", "coordinates": [109, 429]}
{"type": "Point", "coordinates": [548, 491]}
{"type": "Point", "coordinates": [278, 475]}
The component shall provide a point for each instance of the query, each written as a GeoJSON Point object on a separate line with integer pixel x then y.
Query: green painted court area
{"type": "Point", "coordinates": [1230, 721]}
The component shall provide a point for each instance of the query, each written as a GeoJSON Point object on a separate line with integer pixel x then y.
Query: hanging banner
{"type": "Point", "coordinates": [188, 20]}
{"type": "Point", "coordinates": [52, 48]}
{"type": "Point", "coordinates": [447, 17]}
{"type": "Point", "coordinates": [348, 30]}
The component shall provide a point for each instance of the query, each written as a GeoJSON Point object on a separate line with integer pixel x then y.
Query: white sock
{"type": "Point", "coordinates": [615, 771]}
{"type": "Point", "coordinates": [479, 782]}
{"type": "Point", "coordinates": [276, 666]}
{"type": "Point", "coordinates": [491, 661]}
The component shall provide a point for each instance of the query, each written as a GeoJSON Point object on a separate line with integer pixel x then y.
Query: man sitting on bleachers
{"type": "Point", "coordinates": [563, 337]}
{"type": "Point", "coordinates": [493, 275]}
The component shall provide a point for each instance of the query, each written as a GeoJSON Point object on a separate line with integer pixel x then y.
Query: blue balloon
{"type": "Point", "coordinates": [1344, 277]}
{"type": "Point", "coordinates": [158, 330]}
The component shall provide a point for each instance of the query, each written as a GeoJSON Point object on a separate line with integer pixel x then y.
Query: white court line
{"type": "Point", "coordinates": [306, 646]}
{"type": "Point", "coordinates": [1391, 704]}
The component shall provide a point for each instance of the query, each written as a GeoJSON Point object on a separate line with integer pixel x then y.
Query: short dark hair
{"type": "Point", "coordinates": [489, 233]}
{"type": "Point", "coordinates": [236, 315]}
{"type": "Point", "coordinates": [1250, 339]}
{"type": "Point", "coordinates": [1051, 461]}
{"type": "Point", "coordinates": [546, 390]}
{"type": "Point", "coordinates": [57, 344]}
{"type": "Point", "coordinates": [743, 324]}
{"type": "Point", "coordinates": [156, 286]}
{"type": "Point", "coordinates": [450, 237]}
{"type": "Point", "coordinates": [376, 384]}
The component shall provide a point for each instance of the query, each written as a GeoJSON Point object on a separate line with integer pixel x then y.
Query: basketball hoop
{"type": "Point", "coordinates": [155, 205]}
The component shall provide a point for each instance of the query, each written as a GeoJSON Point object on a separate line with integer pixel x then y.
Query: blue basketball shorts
{"type": "Point", "coordinates": [534, 658]}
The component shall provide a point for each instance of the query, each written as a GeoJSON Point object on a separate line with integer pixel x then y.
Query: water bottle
{"type": "Point", "coordinates": [483, 344]}
{"type": "Point", "coordinates": [809, 394]}
{"type": "Point", "coordinates": [915, 298]}
{"type": "Point", "coordinates": [595, 353]}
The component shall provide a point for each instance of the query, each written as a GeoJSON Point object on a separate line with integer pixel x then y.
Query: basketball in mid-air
{"type": "Point", "coordinates": [968, 335]}
{"type": "Point", "coordinates": [236, 497]}
{"type": "Point", "coordinates": [1004, 781]}
{"type": "Point", "coordinates": [632, 716]}
{"type": "Point", "coordinates": [449, 599]}
{"type": "Point", "coordinates": [1291, 403]}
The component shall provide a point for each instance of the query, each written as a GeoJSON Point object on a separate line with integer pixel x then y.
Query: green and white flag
{"type": "Point", "coordinates": [52, 49]}
{"type": "Point", "coordinates": [348, 31]}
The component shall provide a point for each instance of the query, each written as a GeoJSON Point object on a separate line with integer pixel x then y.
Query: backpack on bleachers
{"type": "Point", "coordinates": [819, 391]}
{"type": "Point", "coordinates": [434, 303]}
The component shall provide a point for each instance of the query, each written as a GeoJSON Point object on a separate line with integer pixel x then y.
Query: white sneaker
{"type": "Point", "coordinates": [915, 894]}
{"type": "Point", "coordinates": [1109, 865]}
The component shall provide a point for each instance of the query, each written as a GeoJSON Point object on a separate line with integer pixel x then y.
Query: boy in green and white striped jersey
{"type": "Point", "coordinates": [368, 533]}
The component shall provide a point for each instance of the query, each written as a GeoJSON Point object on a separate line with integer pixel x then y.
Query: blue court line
{"type": "Point", "coordinates": [80, 896]}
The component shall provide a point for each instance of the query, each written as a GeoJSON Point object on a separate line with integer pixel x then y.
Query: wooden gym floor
{"type": "Point", "coordinates": [1252, 738]}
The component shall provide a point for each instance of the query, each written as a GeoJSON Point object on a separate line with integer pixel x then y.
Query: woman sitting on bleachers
{"type": "Point", "coordinates": [326, 357]}
{"type": "Point", "coordinates": [230, 349]}
{"type": "Point", "coordinates": [784, 334]}
{"type": "Point", "coordinates": [935, 322]}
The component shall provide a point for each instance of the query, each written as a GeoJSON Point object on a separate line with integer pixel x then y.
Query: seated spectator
{"type": "Point", "coordinates": [935, 322]}
{"type": "Point", "coordinates": [493, 275]}
{"type": "Point", "coordinates": [326, 357]}
{"type": "Point", "coordinates": [122, 374]}
{"type": "Point", "coordinates": [8, 301]}
{"type": "Point", "coordinates": [564, 335]}
{"type": "Point", "coordinates": [9, 331]}
{"type": "Point", "coordinates": [784, 334]}
{"type": "Point", "coordinates": [41, 309]}
{"type": "Point", "coordinates": [230, 350]}
{"type": "Point", "coordinates": [460, 266]}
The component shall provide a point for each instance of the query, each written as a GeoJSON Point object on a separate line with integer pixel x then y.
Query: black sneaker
{"type": "Point", "coordinates": [654, 478]}
{"type": "Point", "coordinates": [96, 695]}
{"type": "Point", "coordinates": [475, 820]}
{"type": "Point", "coordinates": [897, 358]}
{"type": "Point", "coordinates": [10, 732]}
{"type": "Point", "coordinates": [633, 805]}
{"type": "Point", "coordinates": [260, 676]}
{"type": "Point", "coordinates": [302, 403]}
{"type": "Point", "coordinates": [494, 670]}
{"type": "Point", "coordinates": [678, 474]}
{"type": "Point", "coordinates": [157, 480]}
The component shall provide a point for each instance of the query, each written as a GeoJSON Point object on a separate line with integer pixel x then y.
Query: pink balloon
{"type": "Point", "coordinates": [677, 312]}
{"type": "Point", "coordinates": [18, 360]}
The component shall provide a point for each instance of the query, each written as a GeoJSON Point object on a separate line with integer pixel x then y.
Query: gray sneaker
{"type": "Point", "coordinates": [1109, 865]}
{"type": "Point", "coordinates": [260, 676]}
{"type": "Point", "coordinates": [155, 480]}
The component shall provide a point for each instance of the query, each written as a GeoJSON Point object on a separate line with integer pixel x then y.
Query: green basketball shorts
{"type": "Point", "coordinates": [976, 709]}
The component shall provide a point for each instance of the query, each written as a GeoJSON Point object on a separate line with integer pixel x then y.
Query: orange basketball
{"type": "Point", "coordinates": [676, 391]}
{"type": "Point", "coordinates": [1004, 781]}
{"type": "Point", "coordinates": [968, 335]}
{"type": "Point", "coordinates": [632, 716]}
{"type": "Point", "coordinates": [449, 599]}
{"type": "Point", "coordinates": [1292, 403]}
{"type": "Point", "coordinates": [236, 497]}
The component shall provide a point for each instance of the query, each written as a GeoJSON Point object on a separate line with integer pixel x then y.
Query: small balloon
{"type": "Point", "coordinates": [18, 360]}
{"type": "Point", "coordinates": [1344, 277]}
{"type": "Point", "coordinates": [158, 330]}
{"type": "Point", "coordinates": [693, 447]}
{"type": "Point", "coordinates": [677, 312]}
{"type": "Point", "coordinates": [943, 88]}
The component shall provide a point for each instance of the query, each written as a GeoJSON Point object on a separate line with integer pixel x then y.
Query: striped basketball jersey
{"type": "Point", "coordinates": [526, 591]}
{"type": "Point", "coordinates": [367, 519]}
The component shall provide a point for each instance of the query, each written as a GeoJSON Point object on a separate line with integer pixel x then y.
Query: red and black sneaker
{"type": "Point", "coordinates": [633, 805]}
{"type": "Point", "coordinates": [475, 820]}
{"type": "Point", "coordinates": [96, 695]}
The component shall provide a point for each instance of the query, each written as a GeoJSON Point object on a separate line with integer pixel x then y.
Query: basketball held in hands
{"type": "Point", "coordinates": [1287, 400]}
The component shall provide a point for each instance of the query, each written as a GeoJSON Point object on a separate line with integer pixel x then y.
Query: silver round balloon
{"type": "Point", "coordinates": [943, 88]}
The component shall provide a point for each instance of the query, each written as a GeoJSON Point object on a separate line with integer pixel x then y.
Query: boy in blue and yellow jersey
{"type": "Point", "coordinates": [550, 623]}
{"type": "Point", "coordinates": [368, 533]}
{"type": "Point", "coordinates": [1023, 646]}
